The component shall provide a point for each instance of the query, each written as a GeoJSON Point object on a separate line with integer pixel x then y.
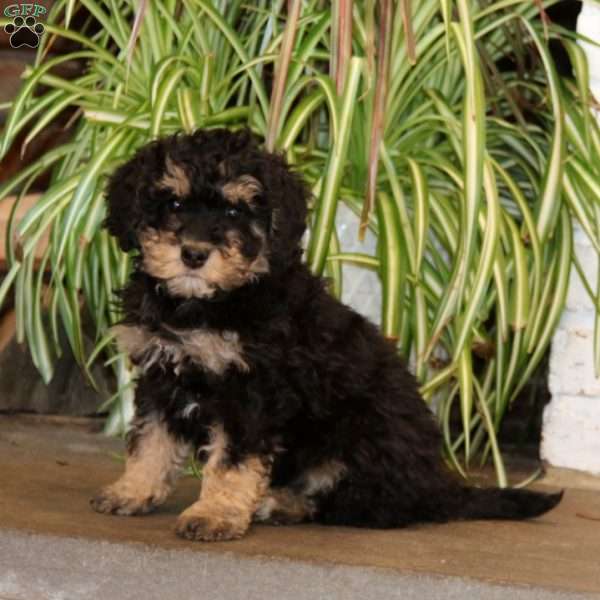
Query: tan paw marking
{"type": "Point", "coordinates": [110, 500]}
{"type": "Point", "coordinates": [229, 496]}
{"type": "Point", "coordinates": [194, 525]}
{"type": "Point", "coordinates": [154, 462]}
{"type": "Point", "coordinates": [284, 507]}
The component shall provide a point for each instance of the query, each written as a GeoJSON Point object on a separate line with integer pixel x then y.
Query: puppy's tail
{"type": "Point", "coordinates": [496, 503]}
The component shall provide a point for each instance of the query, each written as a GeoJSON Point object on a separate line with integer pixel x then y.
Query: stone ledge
{"type": "Point", "coordinates": [39, 566]}
{"type": "Point", "coordinates": [571, 478]}
{"type": "Point", "coordinates": [52, 541]}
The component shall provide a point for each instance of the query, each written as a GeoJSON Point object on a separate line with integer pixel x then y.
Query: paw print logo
{"type": "Point", "coordinates": [24, 32]}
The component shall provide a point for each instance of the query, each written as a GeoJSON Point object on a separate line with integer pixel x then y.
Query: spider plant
{"type": "Point", "coordinates": [441, 123]}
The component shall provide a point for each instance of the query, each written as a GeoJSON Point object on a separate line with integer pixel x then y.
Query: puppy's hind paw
{"type": "Point", "coordinates": [209, 528]}
{"type": "Point", "coordinates": [109, 501]}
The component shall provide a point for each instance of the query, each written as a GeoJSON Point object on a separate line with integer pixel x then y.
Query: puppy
{"type": "Point", "coordinates": [297, 406]}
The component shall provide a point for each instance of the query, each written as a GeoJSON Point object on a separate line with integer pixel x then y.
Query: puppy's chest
{"type": "Point", "coordinates": [207, 349]}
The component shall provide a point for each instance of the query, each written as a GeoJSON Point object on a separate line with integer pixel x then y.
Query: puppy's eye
{"type": "Point", "coordinates": [232, 212]}
{"type": "Point", "coordinates": [175, 204]}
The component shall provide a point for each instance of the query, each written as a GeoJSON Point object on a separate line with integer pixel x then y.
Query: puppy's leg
{"type": "Point", "coordinates": [155, 459]}
{"type": "Point", "coordinates": [229, 496]}
{"type": "Point", "coordinates": [299, 502]}
{"type": "Point", "coordinates": [285, 506]}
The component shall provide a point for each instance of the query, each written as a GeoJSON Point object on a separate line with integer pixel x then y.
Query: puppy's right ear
{"type": "Point", "coordinates": [124, 214]}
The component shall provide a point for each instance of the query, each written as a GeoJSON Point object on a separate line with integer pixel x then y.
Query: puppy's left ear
{"type": "Point", "coordinates": [288, 197]}
{"type": "Point", "coordinates": [124, 212]}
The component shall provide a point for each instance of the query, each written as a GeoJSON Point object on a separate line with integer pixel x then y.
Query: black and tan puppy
{"type": "Point", "coordinates": [298, 407]}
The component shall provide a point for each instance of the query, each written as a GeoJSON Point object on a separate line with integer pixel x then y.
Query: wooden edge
{"type": "Point", "coordinates": [27, 202]}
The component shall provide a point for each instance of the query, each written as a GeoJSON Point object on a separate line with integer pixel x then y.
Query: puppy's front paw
{"type": "Point", "coordinates": [112, 500]}
{"type": "Point", "coordinates": [199, 525]}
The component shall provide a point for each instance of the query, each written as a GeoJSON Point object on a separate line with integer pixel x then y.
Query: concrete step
{"type": "Point", "coordinates": [53, 546]}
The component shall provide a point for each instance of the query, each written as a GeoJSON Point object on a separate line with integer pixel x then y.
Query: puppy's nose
{"type": "Point", "coordinates": [193, 257]}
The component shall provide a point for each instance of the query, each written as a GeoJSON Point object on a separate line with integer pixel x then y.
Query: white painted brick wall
{"type": "Point", "coordinates": [361, 288]}
{"type": "Point", "coordinates": [571, 431]}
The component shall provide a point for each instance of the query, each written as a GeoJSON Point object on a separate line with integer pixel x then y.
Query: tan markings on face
{"type": "Point", "coordinates": [195, 245]}
{"type": "Point", "coordinates": [211, 350]}
{"type": "Point", "coordinates": [228, 268]}
{"type": "Point", "coordinates": [161, 258]}
{"type": "Point", "coordinates": [242, 189]}
{"type": "Point", "coordinates": [190, 286]}
{"type": "Point", "coordinates": [153, 465]}
{"type": "Point", "coordinates": [175, 179]}
{"type": "Point", "coordinates": [161, 254]}
{"type": "Point", "coordinates": [225, 269]}
{"type": "Point", "coordinates": [283, 506]}
{"type": "Point", "coordinates": [229, 497]}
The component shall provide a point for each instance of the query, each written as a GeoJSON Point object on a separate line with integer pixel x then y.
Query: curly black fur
{"type": "Point", "coordinates": [322, 383]}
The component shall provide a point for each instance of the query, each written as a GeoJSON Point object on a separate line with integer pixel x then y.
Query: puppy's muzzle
{"type": "Point", "coordinates": [193, 257]}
